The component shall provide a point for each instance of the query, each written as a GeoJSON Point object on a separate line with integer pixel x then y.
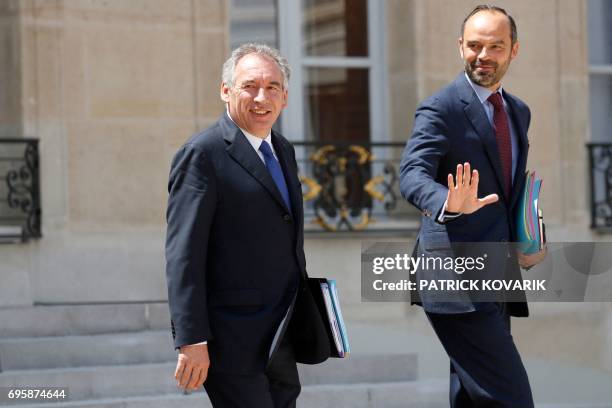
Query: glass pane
{"type": "Point", "coordinates": [601, 106]}
{"type": "Point", "coordinates": [253, 21]}
{"type": "Point", "coordinates": [335, 28]}
{"type": "Point", "coordinates": [336, 104]}
{"type": "Point", "coordinates": [600, 31]}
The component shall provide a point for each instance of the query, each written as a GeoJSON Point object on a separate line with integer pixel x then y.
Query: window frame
{"type": "Point", "coordinates": [290, 41]}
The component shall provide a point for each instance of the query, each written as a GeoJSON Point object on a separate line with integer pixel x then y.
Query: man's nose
{"type": "Point", "coordinates": [484, 54]}
{"type": "Point", "coordinates": [261, 95]}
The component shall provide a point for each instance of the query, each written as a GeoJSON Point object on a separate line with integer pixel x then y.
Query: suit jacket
{"type": "Point", "coordinates": [234, 252]}
{"type": "Point", "coordinates": [451, 127]}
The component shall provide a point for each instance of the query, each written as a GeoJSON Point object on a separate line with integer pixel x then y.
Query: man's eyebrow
{"type": "Point", "coordinates": [252, 81]}
{"type": "Point", "coordinates": [471, 42]}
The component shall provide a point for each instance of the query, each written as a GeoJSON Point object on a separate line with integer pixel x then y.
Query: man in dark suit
{"type": "Point", "coordinates": [478, 132]}
{"type": "Point", "coordinates": [234, 246]}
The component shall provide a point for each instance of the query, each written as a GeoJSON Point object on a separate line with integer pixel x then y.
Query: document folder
{"type": "Point", "coordinates": [316, 327]}
{"type": "Point", "coordinates": [336, 299]}
{"type": "Point", "coordinates": [530, 230]}
{"type": "Point", "coordinates": [325, 294]}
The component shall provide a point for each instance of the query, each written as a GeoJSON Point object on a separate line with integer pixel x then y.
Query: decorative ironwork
{"type": "Point", "coordinates": [20, 212]}
{"type": "Point", "coordinates": [347, 186]}
{"type": "Point", "coordinates": [600, 159]}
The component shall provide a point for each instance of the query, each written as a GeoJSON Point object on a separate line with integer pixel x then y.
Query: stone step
{"type": "Point", "coordinates": [404, 394]}
{"type": "Point", "coordinates": [156, 347]}
{"type": "Point", "coordinates": [157, 378]}
{"type": "Point", "coordinates": [87, 350]}
{"type": "Point", "coordinates": [82, 319]}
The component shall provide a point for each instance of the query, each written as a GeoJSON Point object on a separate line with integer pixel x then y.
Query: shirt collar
{"type": "Point", "coordinates": [481, 92]}
{"type": "Point", "coordinates": [254, 140]}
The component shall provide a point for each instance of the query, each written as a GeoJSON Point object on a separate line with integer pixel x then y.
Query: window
{"type": "Point", "coordinates": [336, 50]}
{"type": "Point", "coordinates": [253, 21]}
{"type": "Point", "coordinates": [337, 105]}
{"type": "Point", "coordinates": [600, 60]}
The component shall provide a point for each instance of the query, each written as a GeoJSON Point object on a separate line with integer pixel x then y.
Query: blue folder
{"type": "Point", "coordinates": [325, 296]}
{"type": "Point", "coordinates": [530, 228]}
{"type": "Point", "coordinates": [333, 289]}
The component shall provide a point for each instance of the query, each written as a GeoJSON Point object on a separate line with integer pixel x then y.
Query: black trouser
{"type": "Point", "coordinates": [277, 387]}
{"type": "Point", "coordinates": [485, 367]}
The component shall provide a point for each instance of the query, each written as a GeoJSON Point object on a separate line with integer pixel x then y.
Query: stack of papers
{"type": "Point", "coordinates": [530, 228]}
{"type": "Point", "coordinates": [336, 325]}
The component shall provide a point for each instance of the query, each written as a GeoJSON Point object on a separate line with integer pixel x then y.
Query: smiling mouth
{"type": "Point", "coordinates": [485, 67]}
{"type": "Point", "coordinates": [260, 112]}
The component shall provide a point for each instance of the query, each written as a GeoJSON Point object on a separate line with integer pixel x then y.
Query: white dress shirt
{"type": "Point", "coordinates": [256, 141]}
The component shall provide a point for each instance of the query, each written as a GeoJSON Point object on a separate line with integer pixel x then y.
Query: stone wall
{"type": "Point", "coordinates": [111, 89]}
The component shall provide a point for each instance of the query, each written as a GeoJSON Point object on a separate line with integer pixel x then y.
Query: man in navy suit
{"type": "Point", "coordinates": [477, 131]}
{"type": "Point", "coordinates": [234, 246]}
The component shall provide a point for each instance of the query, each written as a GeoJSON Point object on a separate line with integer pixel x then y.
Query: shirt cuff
{"type": "Point", "coordinates": [446, 216]}
{"type": "Point", "coordinates": [197, 344]}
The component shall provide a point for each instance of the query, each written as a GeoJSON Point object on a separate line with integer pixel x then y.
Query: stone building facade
{"type": "Point", "coordinates": [112, 88]}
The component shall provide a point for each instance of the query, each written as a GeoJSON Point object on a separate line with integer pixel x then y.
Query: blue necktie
{"type": "Point", "coordinates": [275, 171]}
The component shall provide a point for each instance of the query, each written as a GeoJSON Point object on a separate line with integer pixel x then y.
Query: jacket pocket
{"type": "Point", "coordinates": [434, 239]}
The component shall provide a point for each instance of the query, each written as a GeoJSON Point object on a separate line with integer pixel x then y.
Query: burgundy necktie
{"type": "Point", "coordinates": [502, 134]}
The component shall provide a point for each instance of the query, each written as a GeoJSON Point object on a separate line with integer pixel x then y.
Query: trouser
{"type": "Point", "coordinates": [277, 387]}
{"type": "Point", "coordinates": [485, 367]}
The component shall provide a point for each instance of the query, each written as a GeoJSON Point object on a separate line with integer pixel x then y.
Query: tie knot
{"type": "Point", "coordinates": [265, 148]}
{"type": "Point", "coordinates": [496, 100]}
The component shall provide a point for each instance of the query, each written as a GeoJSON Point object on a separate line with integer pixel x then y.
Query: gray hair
{"type": "Point", "coordinates": [229, 66]}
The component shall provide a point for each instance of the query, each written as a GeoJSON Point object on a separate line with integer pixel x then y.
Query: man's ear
{"type": "Point", "coordinates": [514, 50]}
{"type": "Point", "coordinates": [224, 92]}
{"type": "Point", "coordinates": [460, 42]}
{"type": "Point", "coordinates": [285, 97]}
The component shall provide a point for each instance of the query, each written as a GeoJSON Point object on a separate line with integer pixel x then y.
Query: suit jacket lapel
{"type": "Point", "coordinates": [521, 128]}
{"type": "Point", "coordinates": [476, 114]}
{"type": "Point", "coordinates": [242, 152]}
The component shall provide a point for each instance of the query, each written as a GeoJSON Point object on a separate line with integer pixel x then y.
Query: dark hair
{"type": "Point", "coordinates": [488, 7]}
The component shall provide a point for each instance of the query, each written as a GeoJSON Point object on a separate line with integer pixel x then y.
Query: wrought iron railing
{"type": "Point", "coordinates": [600, 164]}
{"type": "Point", "coordinates": [353, 187]}
{"type": "Point", "coordinates": [20, 213]}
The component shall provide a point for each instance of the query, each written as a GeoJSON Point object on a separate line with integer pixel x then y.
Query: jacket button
{"type": "Point", "coordinates": [287, 217]}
